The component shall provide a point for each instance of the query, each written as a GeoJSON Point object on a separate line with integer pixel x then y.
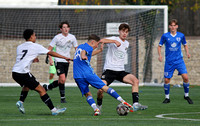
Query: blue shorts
{"type": "Point", "coordinates": [170, 68]}
{"type": "Point", "coordinates": [93, 80]}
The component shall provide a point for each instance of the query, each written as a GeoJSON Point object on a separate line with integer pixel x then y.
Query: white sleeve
{"type": "Point", "coordinates": [41, 50]}
{"type": "Point", "coordinates": [75, 43]}
{"type": "Point", "coordinates": [53, 42]}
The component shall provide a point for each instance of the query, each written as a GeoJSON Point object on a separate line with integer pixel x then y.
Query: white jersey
{"type": "Point", "coordinates": [115, 56]}
{"type": "Point", "coordinates": [26, 53]}
{"type": "Point", "coordinates": [63, 45]}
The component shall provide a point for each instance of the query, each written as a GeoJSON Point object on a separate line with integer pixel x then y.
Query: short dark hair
{"type": "Point", "coordinates": [173, 21]}
{"type": "Point", "coordinates": [64, 22]}
{"type": "Point", "coordinates": [124, 26]}
{"type": "Point", "coordinates": [93, 37]}
{"type": "Point", "coordinates": [27, 34]}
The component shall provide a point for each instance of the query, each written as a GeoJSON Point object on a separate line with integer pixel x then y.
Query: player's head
{"type": "Point", "coordinates": [29, 35]}
{"type": "Point", "coordinates": [93, 40]}
{"type": "Point", "coordinates": [124, 31]}
{"type": "Point", "coordinates": [173, 25]}
{"type": "Point", "coordinates": [64, 27]}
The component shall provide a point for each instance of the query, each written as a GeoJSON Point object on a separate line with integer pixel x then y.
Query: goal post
{"type": "Point", "coordinates": [147, 24]}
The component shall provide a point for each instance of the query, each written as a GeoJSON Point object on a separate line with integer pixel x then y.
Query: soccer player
{"type": "Point", "coordinates": [174, 59]}
{"type": "Point", "coordinates": [63, 42]}
{"type": "Point", "coordinates": [114, 66]}
{"type": "Point", "coordinates": [26, 55]}
{"type": "Point", "coordinates": [84, 73]}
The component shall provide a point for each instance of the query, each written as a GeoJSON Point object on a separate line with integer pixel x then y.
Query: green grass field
{"type": "Point", "coordinates": [79, 113]}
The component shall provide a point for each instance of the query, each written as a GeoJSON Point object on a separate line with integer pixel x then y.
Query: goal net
{"type": "Point", "coordinates": [147, 24]}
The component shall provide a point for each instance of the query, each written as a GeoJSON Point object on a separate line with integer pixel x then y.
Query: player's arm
{"type": "Point", "coordinates": [58, 55]}
{"type": "Point", "coordinates": [98, 50]}
{"type": "Point", "coordinates": [187, 51]}
{"type": "Point", "coordinates": [110, 41]}
{"type": "Point", "coordinates": [83, 55]}
{"type": "Point", "coordinates": [50, 58]}
{"type": "Point", "coordinates": [159, 53]}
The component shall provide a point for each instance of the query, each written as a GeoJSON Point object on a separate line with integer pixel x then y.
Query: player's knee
{"type": "Point", "coordinates": [100, 92]}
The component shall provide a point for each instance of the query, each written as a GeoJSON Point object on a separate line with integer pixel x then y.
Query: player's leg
{"type": "Point", "coordinates": [167, 90]}
{"type": "Point", "coordinates": [107, 77]}
{"type": "Point", "coordinates": [47, 100]}
{"type": "Point", "coordinates": [52, 71]}
{"type": "Point", "coordinates": [61, 83]}
{"type": "Point", "coordinates": [168, 74]}
{"type": "Point", "coordinates": [22, 98]}
{"type": "Point", "coordinates": [183, 72]}
{"type": "Point", "coordinates": [83, 86]}
{"type": "Point", "coordinates": [131, 79]}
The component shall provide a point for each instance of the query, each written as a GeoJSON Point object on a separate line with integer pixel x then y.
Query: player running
{"type": "Point", "coordinates": [174, 59]}
{"type": "Point", "coordinates": [114, 66]}
{"type": "Point", "coordinates": [84, 73]}
{"type": "Point", "coordinates": [26, 55]}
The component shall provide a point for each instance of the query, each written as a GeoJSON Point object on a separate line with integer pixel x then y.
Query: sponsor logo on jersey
{"type": "Point", "coordinates": [166, 73]}
{"type": "Point", "coordinates": [173, 44]}
{"type": "Point", "coordinates": [120, 54]}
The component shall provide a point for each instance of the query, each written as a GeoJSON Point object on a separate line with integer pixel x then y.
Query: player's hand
{"type": "Point", "coordinates": [160, 58]}
{"type": "Point", "coordinates": [102, 45]}
{"type": "Point", "coordinates": [188, 55]}
{"type": "Point", "coordinates": [35, 60]}
{"type": "Point", "coordinates": [51, 62]}
{"type": "Point", "coordinates": [68, 59]}
{"type": "Point", "coordinates": [84, 57]}
{"type": "Point", "coordinates": [117, 43]}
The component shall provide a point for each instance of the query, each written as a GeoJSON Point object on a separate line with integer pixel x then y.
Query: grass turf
{"type": "Point", "coordinates": [79, 113]}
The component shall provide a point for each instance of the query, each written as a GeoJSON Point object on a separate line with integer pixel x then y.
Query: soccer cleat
{"type": "Point", "coordinates": [63, 100]}
{"type": "Point", "coordinates": [166, 101]}
{"type": "Point", "coordinates": [45, 87]}
{"type": "Point", "coordinates": [129, 106]}
{"type": "Point", "coordinates": [100, 108]}
{"type": "Point", "coordinates": [188, 100]}
{"type": "Point", "coordinates": [58, 111]}
{"type": "Point", "coordinates": [138, 106]}
{"type": "Point", "coordinates": [20, 106]}
{"type": "Point", "coordinates": [97, 112]}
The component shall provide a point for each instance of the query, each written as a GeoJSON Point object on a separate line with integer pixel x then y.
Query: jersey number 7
{"type": "Point", "coordinates": [25, 52]}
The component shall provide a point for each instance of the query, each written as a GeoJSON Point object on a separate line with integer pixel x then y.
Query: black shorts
{"type": "Point", "coordinates": [26, 79]}
{"type": "Point", "coordinates": [109, 76]}
{"type": "Point", "coordinates": [62, 67]}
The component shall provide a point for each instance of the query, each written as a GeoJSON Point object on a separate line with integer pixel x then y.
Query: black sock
{"type": "Point", "coordinates": [135, 97]}
{"type": "Point", "coordinates": [47, 100]}
{"type": "Point", "coordinates": [99, 101]}
{"type": "Point", "coordinates": [62, 90]}
{"type": "Point", "coordinates": [23, 95]}
{"type": "Point", "coordinates": [53, 85]}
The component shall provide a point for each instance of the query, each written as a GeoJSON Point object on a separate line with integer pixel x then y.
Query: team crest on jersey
{"type": "Point", "coordinates": [173, 44]}
{"type": "Point", "coordinates": [178, 39]}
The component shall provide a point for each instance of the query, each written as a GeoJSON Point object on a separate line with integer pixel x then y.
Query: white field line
{"type": "Point", "coordinates": [74, 84]}
{"type": "Point", "coordinates": [163, 116]}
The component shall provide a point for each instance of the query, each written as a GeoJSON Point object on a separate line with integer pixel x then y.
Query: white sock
{"type": "Point", "coordinates": [120, 99]}
{"type": "Point", "coordinates": [186, 94]}
{"type": "Point", "coordinates": [94, 106]}
{"type": "Point", "coordinates": [54, 109]}
{"type": "Point", "coordinates": [167, 96]}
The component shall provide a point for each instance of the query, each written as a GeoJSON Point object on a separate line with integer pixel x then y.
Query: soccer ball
{"type": "Point", "coordinates": [122, 110]}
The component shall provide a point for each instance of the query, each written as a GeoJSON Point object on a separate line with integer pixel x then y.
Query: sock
{"type": "Point", "coordinates": [99, 101]}
{"type": "Point", "coordinates": [186, 88]}
{"type": "Point", "coordinates": [113, 93]}
{"type": "Point", "coordinates": [62, 90]}
{"type": "Point", "coordinates": [91, 102]}
{"type": "Point", "coordinates": [53, 85]}
{"type": "Point", "coordinates": [135, 97]}
{"type": "Point", "coordinates": [47, 100]}
{"type": "Point", "coordinates": [23, 95]}
{"type": "Point", "coordinates": [167, 89]}
{"type": "Point", "coordinates": [51, 81]}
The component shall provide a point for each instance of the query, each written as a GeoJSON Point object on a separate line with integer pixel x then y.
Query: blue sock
{"type": "Point", "coordinates": [113, 93]}
{"type": "Point", "coordinates": [90, 100]}
{"type": "Point", "coordinates": [186, 87]}
{"type": "Point", "coordinates": [167, 88]}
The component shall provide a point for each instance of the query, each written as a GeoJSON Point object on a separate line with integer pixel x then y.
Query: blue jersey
{"type": "Point", "coordinates": [173, 51]}
{"type": "Point", "coordinates": [82, 68]}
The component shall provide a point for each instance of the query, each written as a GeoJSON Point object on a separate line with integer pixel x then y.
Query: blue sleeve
{"type": "Point", "coordinates": [183, 40]}
{"type": "Point", "coordinates": [162, 40]}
